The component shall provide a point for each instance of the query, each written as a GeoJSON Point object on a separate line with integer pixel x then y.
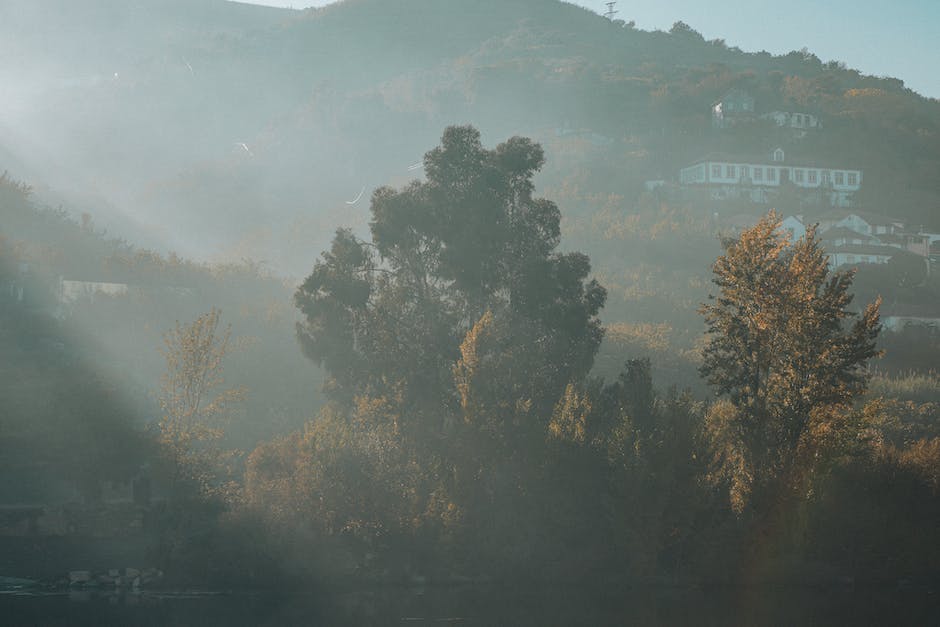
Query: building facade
{"type": "Point", "coordinates": [797, 121]}
{"type": "Point", "coordinates": [757, 178]}
{"type": "Point", "coordinates": [733, 106]}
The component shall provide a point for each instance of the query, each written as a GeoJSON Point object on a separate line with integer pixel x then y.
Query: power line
{"type": "Point", "coordinates": [611, 12]}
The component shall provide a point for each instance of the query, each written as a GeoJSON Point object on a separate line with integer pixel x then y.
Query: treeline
{"type": "Point", "coordinates": [469, 434]}
{"type": "Point", "coordinates": [81, 376]}
{"type": "Point", "coordinates": [467, 438]}
{"type": "Point", "coordinates": [613, 106]}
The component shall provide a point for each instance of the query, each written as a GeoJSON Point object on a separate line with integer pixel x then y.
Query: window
{"type": "Point", "coordinates": [758, 174]}
{"type": "Point", "coordinates": [745, 172]}
{"type": "Point", "coordinates": [812, 177]}
{"type": "Point", "coordinates": [798, 176]}
{"type": "Point", "coordinates": [825, 177]}
{"type": "Point", "coordinates": [771, 174]}
{"type": "Point", "coordinates": [716, 171]}
{"type": "Point", "coordinates": [799, 119]}
{"type": "Point", "coordinates": [850, 258]}
{"type": "Point", "coordinates": [839, 178]}
{"type": "Point", "coordinates": [729, 171]}
{"type": "Point", "coordinates": [853, 178]}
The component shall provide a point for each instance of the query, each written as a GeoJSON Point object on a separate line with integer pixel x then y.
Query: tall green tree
{"type": "Point", "coordinates": [784, 349]}
{"type": "Point", "coordinates": [469, 239]}
{"type": "Point", "coordinates": [461, 318]}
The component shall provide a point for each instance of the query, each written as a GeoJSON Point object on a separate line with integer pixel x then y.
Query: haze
{"type": "Point", "coordinates": [496, 312]}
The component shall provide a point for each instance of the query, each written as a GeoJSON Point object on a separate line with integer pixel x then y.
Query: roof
{"type": "Point", "coordinates": [766, 160]}
{"type": "Point", "coordinates": [870, 218]}
{"type": "Point", "coordinates": [843, 232]}
{"type": "Point", "coordinates": [902, 310]}
{"type": "Point", "coordinates": [897, 238]}
{"type": "Point", "coordinates": [864, 249]}
{"type": "Point", "coordinates": [735, 92]}
{"type": "Point", "coordinates": [815, 115]}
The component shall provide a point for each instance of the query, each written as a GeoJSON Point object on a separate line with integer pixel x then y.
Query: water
{"type": "Point", "coordinates": [488, 605]}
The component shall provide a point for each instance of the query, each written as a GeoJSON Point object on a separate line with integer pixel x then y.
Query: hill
{"type": "Point", "coordinates": [232, 132]}
{"type": "Point", "coordinates": [328, 101]}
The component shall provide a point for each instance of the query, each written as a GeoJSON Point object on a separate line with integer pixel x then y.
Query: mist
{"type": "Point", "coordinates": [494, 311]}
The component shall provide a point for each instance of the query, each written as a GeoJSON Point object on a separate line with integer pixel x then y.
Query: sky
{"type": "Point", "coordinates": [898, 39]}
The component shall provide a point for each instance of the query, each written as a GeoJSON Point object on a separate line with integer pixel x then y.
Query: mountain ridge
{"type": "Point", "coordinates": [328, 100]}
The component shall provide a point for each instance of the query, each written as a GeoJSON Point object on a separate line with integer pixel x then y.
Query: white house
{"type": "Point", "coordinates": [933, 247]}
{"type": "Point", "coordinates": [729, 176]}
{"type": "Point", "coordinates": [854, 254]}
{"type": "Point", "coordinates": [898, 317]}
{"type": "Point", "coordinates": [911, 242]}
{"type": "Point", "coordinates": [931, 237]}
{"type": "Point", "coordinates": [73, 291]}
{"type": "Point", "coordinates": [734, 105]}
{"type": "Point", "coordinates": [858, 237]}
{"type": "Point", "coordinates": [842, 236]}
{"type": "Point", "coordinates": [861, 222]}
{"type": "Point", "coordinates": [794, 227]}
{"type": "Point", "coordinates": [796, 120]}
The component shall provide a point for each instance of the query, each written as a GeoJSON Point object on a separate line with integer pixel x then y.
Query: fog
{"type": "Point", "coordinates": [505, 298]}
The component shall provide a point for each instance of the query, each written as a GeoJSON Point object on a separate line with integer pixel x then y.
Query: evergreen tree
{"type": "Point", "coordinates": [468, 240]}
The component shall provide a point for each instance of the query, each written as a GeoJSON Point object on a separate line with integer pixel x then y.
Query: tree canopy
{"type": "Point", "coordinates": [783, 344]}
{"type": "Point", "coordinates": [471, 238]}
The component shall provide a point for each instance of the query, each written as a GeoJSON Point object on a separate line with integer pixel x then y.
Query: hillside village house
{"type": "Point", "coordinates": [797, 121]}
{"type": "Point", "coordinates": [881, 230]}
{"type": "Point", "coordinates": [859, 253]}
{"type": "Point", "coordinates": [759, 178]}
{"type": "Point", "coordinates": [737, 105]}
{"type": "Point", "coordinates": [794, 227]}
{"type": "Point", "coordinates": [71, 292]}
{"type": "Point", "coordinates": [861, 222]}
{"type": "Point", "coordinates": [13, 286]}
{"type": "Point", "coordinates": [851, 238]}
{"type": "Point", "coordinates": [894, 318]}
{"type": "Point", "coordinates": [733, 106]}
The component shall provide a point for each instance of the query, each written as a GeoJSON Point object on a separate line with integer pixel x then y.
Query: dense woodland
{"type": "Point", "coordinates": [515, 363]}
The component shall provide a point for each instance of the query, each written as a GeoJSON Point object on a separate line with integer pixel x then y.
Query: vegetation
{"type": "Point", "coordinates": [195, 409]}
{"type": "Point", "coordinates": [781, 351]}
{"type": "Point", "coordinates": [473, 398]}
{"type": "Point", "coordinates": [450, 449]}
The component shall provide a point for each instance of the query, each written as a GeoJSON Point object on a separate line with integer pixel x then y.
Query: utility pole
{"type": "Point", "coordinates": [611, 12]}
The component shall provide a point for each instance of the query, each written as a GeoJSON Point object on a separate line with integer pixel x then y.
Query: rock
{"type": "Point", "coordinates": [77, 577]}
{"type": "Point", "coordinates": [15, 583]}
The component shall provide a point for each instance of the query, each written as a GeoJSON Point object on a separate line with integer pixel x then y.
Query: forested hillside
{"type": "Point", "coordinates": [230, 132]}
{"type": "Point", "coordinates": [409, 290]}
{"type": "Point", "coordinates": [328, 101]}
